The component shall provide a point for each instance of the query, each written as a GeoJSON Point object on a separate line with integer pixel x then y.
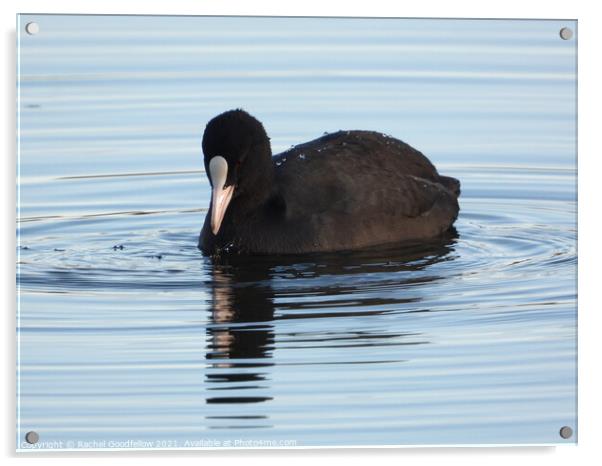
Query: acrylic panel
{"type": "Point", "coordinates": [128, 337]}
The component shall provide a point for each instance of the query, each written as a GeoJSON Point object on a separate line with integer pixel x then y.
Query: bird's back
{"type": "Point", "coordinates": [360, 188]}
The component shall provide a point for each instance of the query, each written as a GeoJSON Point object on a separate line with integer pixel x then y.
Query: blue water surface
{"type": "Point", "coordinates": [129, 338]}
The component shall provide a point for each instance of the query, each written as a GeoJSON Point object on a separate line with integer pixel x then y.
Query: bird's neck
{"type": "Point", "coordinates": [258, 187]}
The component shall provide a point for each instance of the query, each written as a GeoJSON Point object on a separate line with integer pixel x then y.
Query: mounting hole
{"type": "Point", "coordinates": [566, 33]}
{"type": "Point", "coordinates": [32, 437]}
{"type": "Point", "coordinates": [566, 432]}
{"type": "Point", "coordinates": [32, 28]}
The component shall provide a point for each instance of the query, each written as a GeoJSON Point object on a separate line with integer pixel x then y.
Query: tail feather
{"type": "Point", "coordinates": [451, 184]}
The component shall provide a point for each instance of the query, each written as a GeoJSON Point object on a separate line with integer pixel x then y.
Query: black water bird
{"type": "Point", "coordinates": [344, 190]}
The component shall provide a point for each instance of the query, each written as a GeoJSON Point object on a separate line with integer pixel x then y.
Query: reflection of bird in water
{"type": "Point", "coordinates": [241, 333]}
{"type": "Point", "coordinates": [223, 313]}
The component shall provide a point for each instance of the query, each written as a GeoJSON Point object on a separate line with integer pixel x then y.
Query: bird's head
{"type": "Point", "coordinates": [238, 160]}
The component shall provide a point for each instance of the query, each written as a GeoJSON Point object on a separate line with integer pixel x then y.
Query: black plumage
{"type": "Point", "coordinates": [345, 190]}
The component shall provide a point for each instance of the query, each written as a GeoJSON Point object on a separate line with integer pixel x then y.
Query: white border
{"type": "Point", "coordinates": [590, 151]}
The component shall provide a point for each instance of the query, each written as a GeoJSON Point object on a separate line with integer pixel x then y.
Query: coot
{"type": "Point", "coordinates": [344, 190]}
